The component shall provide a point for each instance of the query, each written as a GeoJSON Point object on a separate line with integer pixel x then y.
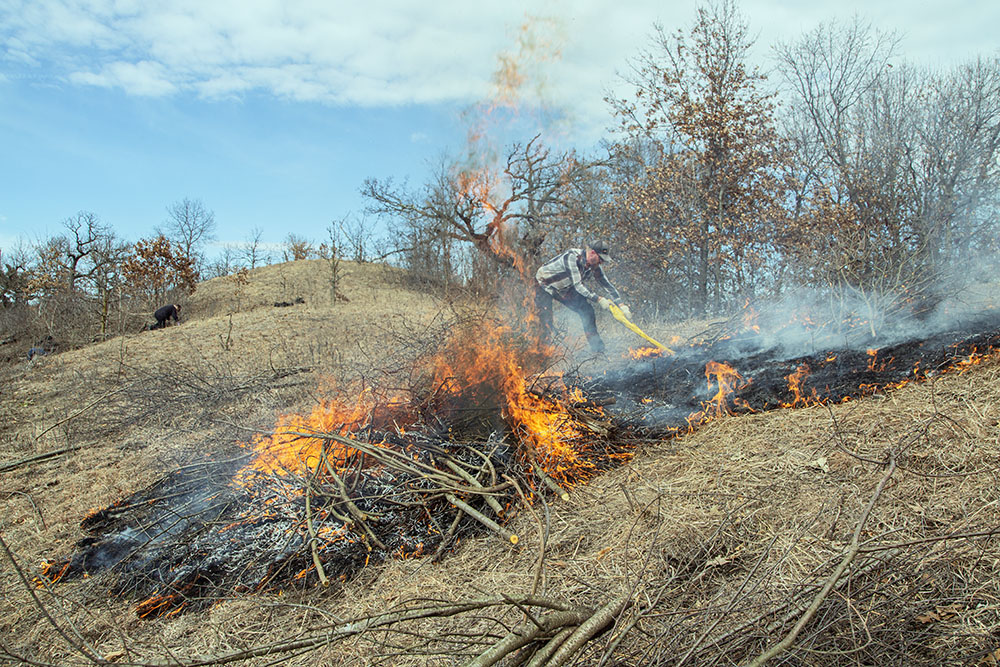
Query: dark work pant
{"type": "Point", "coordinates": [575, 302]}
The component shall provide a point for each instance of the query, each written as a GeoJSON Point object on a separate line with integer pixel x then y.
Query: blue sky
{"type": "Point", "coordinates": [273, 112]}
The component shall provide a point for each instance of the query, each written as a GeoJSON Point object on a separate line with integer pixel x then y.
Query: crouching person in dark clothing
{"type": "Point", "coordinates": [561, 279]}
{"type": "Point", "coordinates": [165, 313]}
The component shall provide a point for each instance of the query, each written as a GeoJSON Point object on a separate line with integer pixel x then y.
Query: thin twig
{"type": "Point", "coordinates": [85, 651]}
{"type": "Point", "coordinates": [11, 465]}
{"type": "Point", "coordinates": [82, 410]}
{"type": "Point", "coordinates": [831, 581]}
{"type": "Point", "coordinates": [313, 539]}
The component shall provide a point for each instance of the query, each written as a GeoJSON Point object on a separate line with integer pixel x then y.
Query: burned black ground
{"type": "Point", "coordinates": [658, 395]}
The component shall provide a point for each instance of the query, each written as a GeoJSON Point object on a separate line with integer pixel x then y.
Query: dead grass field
{"type": "Point", "coordinates": [701, 536]}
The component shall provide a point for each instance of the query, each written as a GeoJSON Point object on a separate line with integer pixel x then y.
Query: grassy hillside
{"type": "Point", "coordinates": [709, 546]}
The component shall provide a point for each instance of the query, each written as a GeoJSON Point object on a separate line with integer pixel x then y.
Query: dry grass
{"type": "Point", "coordinates": [714, 537]}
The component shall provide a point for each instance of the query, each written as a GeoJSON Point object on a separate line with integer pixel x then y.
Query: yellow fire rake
{"type": "Point", "coordinates": [620, 316]}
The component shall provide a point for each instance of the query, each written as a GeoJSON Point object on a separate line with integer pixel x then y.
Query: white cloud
{"type": "Point", "coordinates": [222, 85]}
{"type": "Point", "coordinates": [144, 78]}
{"type": "Point", "coordinates": [391, 52]}
{"type": "Point", "coordinates": [386, 52]}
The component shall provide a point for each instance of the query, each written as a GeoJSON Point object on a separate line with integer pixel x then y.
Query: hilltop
{"type": "Point", "coordinates": [707, 547]}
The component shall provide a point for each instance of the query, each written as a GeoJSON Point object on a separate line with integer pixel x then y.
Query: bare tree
{"type": "Point", "coordinates": [106, 277]}
{"type": "Point", "coordinates": [188, 227]}
{"type": "Point", "coordinates": [72, 260]}
{"type": "Point", "coordinates": [901, 164]}
{"type": "Point", "coordinates": [333, 252]}
{"type": "Point", "coordinates": [505, 214]}
{"type": "Point", "coordinates": [829, 70]}
{"type": "Point", "coordinates": [357, 233]}
{"type": "Point", "coordinates": [74, 276]}
{"type": "Point", "coordinates": [253, 252]}
{"type": "Point", "coordinates": [953, 164]}
{"type": "Point", "coordinates": [226, 262]}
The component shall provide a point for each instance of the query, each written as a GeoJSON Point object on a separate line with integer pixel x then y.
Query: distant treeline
{"type": "Point", "coordinates": [846, 171]}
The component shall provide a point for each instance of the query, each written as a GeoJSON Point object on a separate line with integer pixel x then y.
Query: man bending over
{"type": "Point", "coordinates": [562, 279]}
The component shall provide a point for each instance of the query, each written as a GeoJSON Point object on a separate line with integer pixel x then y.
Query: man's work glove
{"type": "Point", "coordinates": [604, 302]}
{"type": "Point", "coordinates": [625, 311]}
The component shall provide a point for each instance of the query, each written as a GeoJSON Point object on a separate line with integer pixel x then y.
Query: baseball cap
{"type": "Point", "coordinates": [600, 246]}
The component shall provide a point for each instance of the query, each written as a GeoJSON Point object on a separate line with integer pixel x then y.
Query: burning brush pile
{"type": "Point", "coordinates": [410, 474]}
{"type": "Point", "coordinates": [385, 476]}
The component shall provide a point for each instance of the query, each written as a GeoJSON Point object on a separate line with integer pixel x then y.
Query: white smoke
{"type": "Point", "coordinates": [809, 321]}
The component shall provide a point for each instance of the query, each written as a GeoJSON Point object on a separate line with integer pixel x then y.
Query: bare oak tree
{"type": "Point", "coordinates": [357, 233]}
{"type": "Point", "coordinates": [189, 227]}
{"type": "Point", "coordinates": [504, 213]}
{"type": "Point", "coordinates": [73, 260]}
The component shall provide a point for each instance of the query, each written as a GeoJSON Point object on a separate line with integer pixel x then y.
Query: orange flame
{"type": "Point", "coordinates": [728, 380]}
{"type": "Point", "coordinates": [644, 352]}
{"type": "Point", "coordinates": [290, 449]}
{"type": "Point", "coordinates": [50, 573]}
{"type": "Point", "coordinates": [491, 369]}
{"type": "Point", "coordinates": [875, 364]}
{"type": "Point", "coordinates": [166, 605]}
{"type": "Point", "coordinates": [795, 381]}
{"type": "Point", "coordinates": [480, 367]}
{"type": "Point", "coordinates": [750, 317]}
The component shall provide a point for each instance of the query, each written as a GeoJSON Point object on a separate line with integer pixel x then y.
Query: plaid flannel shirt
{"type": "Point", "coordinates": [568, 271]}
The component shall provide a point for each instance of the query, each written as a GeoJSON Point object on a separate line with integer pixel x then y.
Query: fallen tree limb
{"type": "Point", "coordinates": [81, 647]}
{"type": "Point", "coordinates": [482, 518]}
{"type": "Point", "coordinates": [588, 630]}
{"type": "Point", "coordinates": [527, 632]}
{"type": "Point", "coordinates": [549, 482]}
{"type": "Point", "coordinates": [313, 539]}
{"type": "Point", "coordinates": [541, 657]}
{"type": "Point", "coordinates": [6, 467]}
{"type": "Point", "coordinates": [82, 410]}
{"type": "Point", "coordinates": [446, 540]}
{"type": "Point", "coordinates": [12, 465]}
{"type": "Point", "coordinates": [796, 604]}
{"type": "Point", "coordinates": [490, 500]}
{"type": "Point", "coordinates": [352, 509]}
{"type": "Point", "coordinates": [332, 634]}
